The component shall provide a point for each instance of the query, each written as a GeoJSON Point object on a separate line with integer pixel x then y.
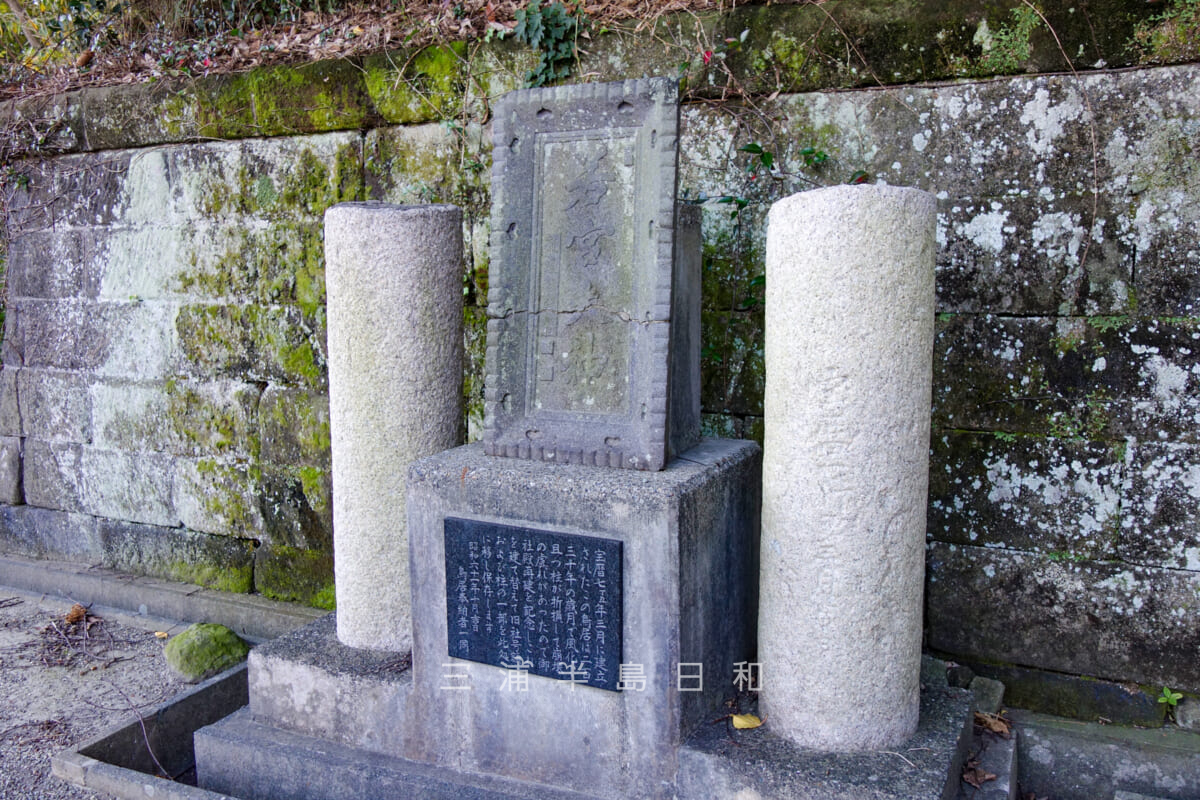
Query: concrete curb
{"type": "Point", "coordinates": [250, 616]}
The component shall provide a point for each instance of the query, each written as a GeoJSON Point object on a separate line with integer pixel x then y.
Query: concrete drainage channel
{"type": "Point", "coordinates": [125, 761]}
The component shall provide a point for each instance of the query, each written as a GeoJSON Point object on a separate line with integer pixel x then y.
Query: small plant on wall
{"type": "Point", "coordinates": [552, 31]}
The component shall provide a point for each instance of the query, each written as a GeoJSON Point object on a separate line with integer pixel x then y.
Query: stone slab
{"type": "Point", "coordinates": [1160, 516]}
{"type": "Point", "coordinates": [1059, 496]}
{"type": "Point", "coordinates": [689, 539]}
{"type": "Point", "coordinates": [581, 295]}
{"type": "Point", "coordinates": [996, 756]}
{"type": "Point", "coordinates": [760, 764]}
{"type": "Point", "coordinates": [119, 763]}
{"type": "Point", "coordinates": [1071, 696]}
{"type": "Point", "coordinates": [1070, 760]}
{"type": "Point", "coordinates": [563, 587]}
{"type": "Point", "coordinates": [11, 491]}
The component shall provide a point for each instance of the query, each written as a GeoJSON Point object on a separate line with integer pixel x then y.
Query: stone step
{"type": "Point", "coordinates": [258, 762]}
{"type": "Point", "coordinates": [1072, 760]}
{"type": "Point", "coordinates": [996, 756]}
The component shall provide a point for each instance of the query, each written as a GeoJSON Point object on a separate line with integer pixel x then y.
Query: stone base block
{"type": "Point", "coordinates": [688, 540]}
{"type": "Point", "coordinates": [688, 553]}
{"type": "Point", "coordinates": [310, 683]}
{"type": "Point", "coordinates": [247, 760]}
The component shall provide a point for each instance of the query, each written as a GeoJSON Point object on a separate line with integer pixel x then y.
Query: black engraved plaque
{"type": "Point", "coordinates": [547, 602]}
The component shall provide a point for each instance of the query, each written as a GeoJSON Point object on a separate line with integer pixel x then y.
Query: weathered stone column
{"type": "Point", "coordinates": [849, 336]}
{"type": "Point", "coordinates": [393, 278]}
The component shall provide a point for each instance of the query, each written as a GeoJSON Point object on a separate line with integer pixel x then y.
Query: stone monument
{"type": "Point", "coordinates": [584, 582]}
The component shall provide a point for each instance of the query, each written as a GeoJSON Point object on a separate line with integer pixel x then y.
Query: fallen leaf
{"type": "Point", "coordinates": [76, 614]}
{"type": "Point", "coordinates": [745, 721]}
{"type": "Point", "coordinates": [161, 635]}
{"type": "Point", "coordinates": [975, 775]}
{"type": "Point", "coordinates": [996, 723]}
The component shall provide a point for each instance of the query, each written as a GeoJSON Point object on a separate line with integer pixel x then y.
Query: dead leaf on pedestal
{"type": "Point", "coordinates": [745, 721]}
{"type": "Point", "coordinates": [996, 723]}
{"type": "Point", "coordinates": [976, 775]}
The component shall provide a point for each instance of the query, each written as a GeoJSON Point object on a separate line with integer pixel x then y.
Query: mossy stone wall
{"type": "Point", "coordinates": [163, 398]}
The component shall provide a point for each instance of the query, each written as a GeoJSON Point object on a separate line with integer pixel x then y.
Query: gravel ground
{"type": "Point", "coordinates": [64, 680]}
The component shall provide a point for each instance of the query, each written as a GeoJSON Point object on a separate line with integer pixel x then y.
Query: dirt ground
{"type": "Point", "coordinates": [64, 678]}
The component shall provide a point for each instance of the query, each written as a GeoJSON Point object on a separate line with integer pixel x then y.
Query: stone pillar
{"type": "Point", "coordinates": [849, 337]}
{"type": "Point", "coordinates": [393, 278]}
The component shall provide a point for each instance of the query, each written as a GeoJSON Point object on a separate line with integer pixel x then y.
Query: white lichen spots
{"type": "Point", "coordinates": [1168, 382]}
{"type": "Point", "coordinates": [983, 36]}
{"type": "Point", "coordinates": [1070, 500]}
{"type": "Point", "coordinates": [990, 571]}
{"type": "Point", "coordinates": [920, 140]}
{"type": "Point", "coordinates": [1047, 121]}
{"type": "Point", "coordinates": [1059, 234]}
{"type": "Point", "coordinates": [1100, 364]}
{"type": "Point", "coordinates": [986, 230]}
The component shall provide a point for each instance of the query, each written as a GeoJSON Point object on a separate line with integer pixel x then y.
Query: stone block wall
{"type": "Point", "coordinates": [163, 392]}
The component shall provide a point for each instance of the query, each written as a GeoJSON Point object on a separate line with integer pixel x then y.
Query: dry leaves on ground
{"type": "Point", "coordinates": [976, 775]}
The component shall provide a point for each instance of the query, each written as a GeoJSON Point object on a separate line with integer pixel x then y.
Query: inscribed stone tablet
{"type": "Point", "coordinates": [580, 300]}
{"type": "Point", "coordinates": [545, 602]}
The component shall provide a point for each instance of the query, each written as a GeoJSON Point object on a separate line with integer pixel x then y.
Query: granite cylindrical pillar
{"type": "Point", "coordinates": [849, 336]}
{"type": "Point", "coordinates": [393, 277]}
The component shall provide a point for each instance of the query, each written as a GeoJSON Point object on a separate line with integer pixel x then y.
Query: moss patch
{"type": "Point", "coordinates": [253, 343]}
{"type": "Point", "coordinates": [407, 87]}
{"type": "Point", "coordinates": [203, 650]}
{"type": "Point", "coordinates": [283, 100]}
{"type": "Point", "coordinates": [295, 575]}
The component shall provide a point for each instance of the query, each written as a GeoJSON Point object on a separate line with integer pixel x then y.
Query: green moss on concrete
{"type": "Point", "coordinates": [228, 495]}
{"type": "Point", "coordinates": [314, 482]}
{"type": "Point", "coordinates": [203, 650]}
{"type": "Point", "coordinates": [205, 424]}
{"type": "Point", "coordinates": [475, 336]}
{"type": "Point", "coordinates": [294, 574]}
{"type": "Point", "coordinates": [408, 87]}
{"type": "Point", "coordinates": [295, 428]}
{"type": "Point", "coordinates": [283, 100]}
{"type": "Point", "coordinates": [413, 165]}
{"type": "Point", "coordinates": [311, 185]}
{"type": "Point", "coordinates": [222, 578]}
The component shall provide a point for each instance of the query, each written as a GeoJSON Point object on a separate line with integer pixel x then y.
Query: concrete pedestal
{"type": "Point", "coordinates": [317, 705]}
